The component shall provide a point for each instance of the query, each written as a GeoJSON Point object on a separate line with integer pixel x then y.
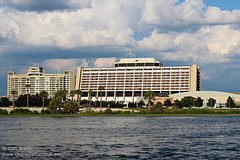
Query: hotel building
{"type": "Point", "coordinates": [39, 81]}
{"type": "Point", "coordinates": [131, 78]}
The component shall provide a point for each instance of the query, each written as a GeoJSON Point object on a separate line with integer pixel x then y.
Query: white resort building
{"type": "Point", "coordinates": [132, 77]}
{"type": "Point", "coordinates": [39, 81]}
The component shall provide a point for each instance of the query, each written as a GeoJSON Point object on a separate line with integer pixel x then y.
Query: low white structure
{"type": "Point", "coordinates": [220, 97]}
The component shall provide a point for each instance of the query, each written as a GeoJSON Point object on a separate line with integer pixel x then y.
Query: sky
{"type": "Point", "coordinates": [62, 35]}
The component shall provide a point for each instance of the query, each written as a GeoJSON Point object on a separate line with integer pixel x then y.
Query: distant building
{"type": "Point", "coordinates": [39, 81]}
{"type": "Point", "coordinates": [131, 78]}
{"type": "Point", "coordinates": [220, 97]}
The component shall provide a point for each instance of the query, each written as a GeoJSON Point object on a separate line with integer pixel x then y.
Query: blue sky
{"type": "Point", "coordinates": [64, 34]}
{"type": "Point", "coordinates": [224, 4]}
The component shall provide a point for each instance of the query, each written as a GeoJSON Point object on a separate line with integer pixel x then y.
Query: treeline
{"type": "Point", "coordinates": [198, 102]}
{"type": "Point", "coordinates": [21, 101]}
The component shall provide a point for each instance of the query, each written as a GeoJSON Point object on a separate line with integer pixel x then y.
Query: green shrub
{"type": "Point", "coordinates": [118, 112]}
{"type": "Point", "coordinates": [35, 112]}
{"type": "Point", "coordinates": [143, 111]}
{"type": "Point", "coordinates": [127, 112]}
{"type": "Point", "coordinates": [3, 112]}
{"type": "Point", "coordinates": [108, 111]}
{"type": "Point", "coordinates": [21, 111]}
{"type": "Point", "coordinates": [90, 112]}
{"type": "Point", "coordinates": [47, 111]}
{"type": "Point", "coordinates": [157, 108]}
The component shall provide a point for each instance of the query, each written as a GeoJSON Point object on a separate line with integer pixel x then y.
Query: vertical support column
{"type": "Point", "coordinates": [115, 86]}
{"type": "Point", "coordinates": [133, 86]}
{"type": "Point", "coordinates": [124, 85]}
{"type": "Point", "coordinates": [142, 81]}
{"type": "Point", "coordinates": [106, 85]}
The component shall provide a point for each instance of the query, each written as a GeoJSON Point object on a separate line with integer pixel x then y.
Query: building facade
{"type": "Point", "coordinates": [38, 81]}
{"type": "Point", "coordinates": [131, 78]}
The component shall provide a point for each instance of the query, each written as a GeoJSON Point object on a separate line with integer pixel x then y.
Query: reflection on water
{"type": "Point", "coordinates": [120, 137]}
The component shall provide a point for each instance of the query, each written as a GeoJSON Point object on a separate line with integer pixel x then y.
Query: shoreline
{"type": "Point", "coordinates": [126, 115]}
{"type": "Point", "coordinates": [127, 112]}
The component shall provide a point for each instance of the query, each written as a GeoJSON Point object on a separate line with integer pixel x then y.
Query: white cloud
{"type": "Point", "coordinates": [173, 30]}
{"type": "Point", "coordinates": [217, 16]}
{"type": "Point", "coordinates": [158, 42]}
{"type": "Point", "coordinates": [209, 44]}
{"type": "Point", "coordinates": [205, 76]}
{"type": "Point", "coordinates": [221, 39]}
{"type": "Point", "coordinates": [70, 29]}
{"type": "Point", "coordinates": [172, 13]}
{"type": "Point", "coordinates": [104, 62]}
{"type": "Point", "coordinates": [61, 65]}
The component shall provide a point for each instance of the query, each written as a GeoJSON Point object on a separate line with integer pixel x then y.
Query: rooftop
{"type": "Point", "coordinates": [138, 62]}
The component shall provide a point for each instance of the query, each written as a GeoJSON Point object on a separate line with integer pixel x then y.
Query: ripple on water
{"type": "Point", "coordinates": [125, 137]}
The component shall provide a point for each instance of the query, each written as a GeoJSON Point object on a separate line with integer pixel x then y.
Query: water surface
{"type": "Point", "coordinates": [120, 137]}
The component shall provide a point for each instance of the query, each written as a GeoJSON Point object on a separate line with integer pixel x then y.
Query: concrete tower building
{"type": "Point", "coordinates": [132, 77]}
{"type": "Point", "coordinates": [39, 81]}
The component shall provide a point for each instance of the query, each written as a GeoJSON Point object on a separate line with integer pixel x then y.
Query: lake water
{"type": "Point", "coordinates": [120, 138]}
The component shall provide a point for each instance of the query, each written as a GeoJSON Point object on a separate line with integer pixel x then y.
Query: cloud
{"type": "Point", "coordinates": [190, 13]}
{"type": "Point", "coordinates": [75, 33]}
{"type": "Point", "coordinates": [104, 62]}
{"type": "Point", "coordinates": [46, 5]}
{"type": "Point", "coordinates": [158, 42]}
{"type": "Point", "coordinates": [209, 44]}
{"type": "Point", "coordinates": [69, 29]}
{"type": "Point", "coordinates": [61, 65]}
{"type": "Point", "coordinates": [215, 15]}
{"type": "Point", "coordinates": [172, 13]}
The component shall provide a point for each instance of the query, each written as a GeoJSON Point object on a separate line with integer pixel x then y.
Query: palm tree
{"type": "Point", "coordinates": [149, 95]}
{"type": "Point", "coordinates": [27, 86]}
{"type": "Point", "coordinates": [43, 95]}
{"type": "Point", "coordinates": [71, 107]}
{"type": "Point", "coordinates": [13, 93]}
{"type": "Point", "coordinates": [101, 88]}
{"type": "Point", "coordinates": [89, 98]}
{"type": "Point", "coordinates": [61, 94]}
{"type": "Point", "coordinates": [79, 95]}
{"type": "Point", "coordinates": [72, 94]}
{"type": "Point", "coordinates": [54, 104]}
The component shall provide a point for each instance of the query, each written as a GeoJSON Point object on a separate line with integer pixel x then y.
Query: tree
{"type": "Point", "coordinates": [141, 103]}
{"type": "Point", "coordinates": [177, 103]}
{"type": "Point", "coordinates": [101, 88]}
{"type": "Point", "coordinates": [79, 95]}
{"type": "Point", "coordinates": [21, 100]}
{"type": "Point", "coordinates": [27, 87]}
{"type": "Point", "coordinates": [199, 102]}
{"type": "Point", "coordinates": [188, 101]}
{"type": "Point", "coordinates": [61, 94]}
{"type": "Point", "coordinates": [13, 93]}
{"type": "Point", "coordinates": [72, 94]}
{"type": "Point", "coordinates": [71, 107]}
{"type": "Point", "coordinates": [157, 108]}
{"type": "Point", "coordinates": [54, 104]}
{"type": "Point", "coordinates": [230, 103]}
{"type": "Point", "coordinates": [5, 102]}
{"type": "Point", "coordinates": [149, 95]}
{"type": "Point", "coordinates": [167, 103]}
{"type": "Point", "coordinates": [211, 102]}
{"type": "Point", "coordinates": [43, 94]}
{"type": "Point", "coordinates": [89, 98]}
